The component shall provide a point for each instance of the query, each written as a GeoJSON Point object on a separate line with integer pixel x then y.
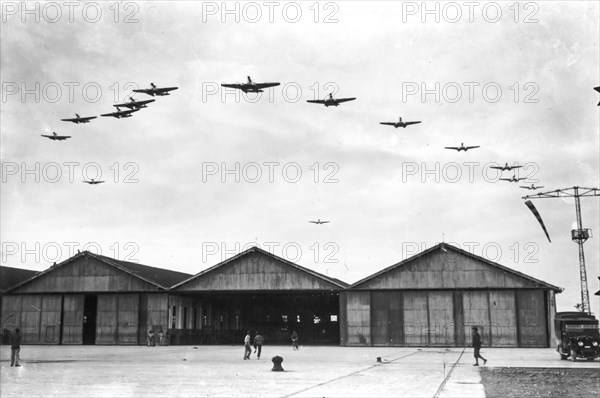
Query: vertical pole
{"type": "Point", "coordinates": [585, 299]}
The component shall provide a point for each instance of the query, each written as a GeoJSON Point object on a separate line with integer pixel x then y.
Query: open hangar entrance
{"type": "Point", "coordinates": [224, 317]}
{"type": "Point", "coordinates": [256, 291]}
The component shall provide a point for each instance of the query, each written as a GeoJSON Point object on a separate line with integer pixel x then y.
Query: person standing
{"type": "Point", "coordinates": [15, 347]}
{"type": "Point", "coordinates": [247, 348]}
{"type": "Point", "coordinates": [258, 342]}
{"type": "Point", "coordinates": [295, 340]}
{"type": "Point", "coordinates": [476, 347]}
{"type": "Point", "coordinates": [150, 338]}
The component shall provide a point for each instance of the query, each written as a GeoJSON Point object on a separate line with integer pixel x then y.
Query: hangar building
{"type": "Point", "coordinates": [431, 299]}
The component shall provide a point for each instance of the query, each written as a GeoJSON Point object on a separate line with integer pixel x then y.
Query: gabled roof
{"type": "Point", "coordinates": [159, 277]}
{"type": "Point", "coordinates": [446, 247]}
{"type": "Point", "coordinates": [336, 282]}
{"type": "Point", "coordinates": [10, 277]}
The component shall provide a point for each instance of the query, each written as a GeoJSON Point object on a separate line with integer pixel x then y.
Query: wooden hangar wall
{"type": "Point", "coordinates": [89, 299]}
{"type": "Point", "coordinates": [432, 299]}
{"type": "Point", "coordinates": [436, 297]}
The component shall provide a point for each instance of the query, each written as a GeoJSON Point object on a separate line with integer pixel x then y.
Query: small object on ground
{"type": "Point", "coordinates": [379, 359]}
{"type": "Point", "coordinates": [277, 363]}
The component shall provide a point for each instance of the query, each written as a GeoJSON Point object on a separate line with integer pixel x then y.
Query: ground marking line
{"type": "Point", "coordinates": [437, 393]}
{"type": "Point", "coordinates": [349, 374]}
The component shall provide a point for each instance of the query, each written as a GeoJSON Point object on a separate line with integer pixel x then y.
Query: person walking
{"type": "Point", "coordinates": [258, 342]}
{"type": "Point", "coordinates": [476, 347]}
{"type": "Point", "coordinates": [15, 347]}
{"type": "Point", "coordinates": [247, 348]}
{"type": "Point", "coordinates": [295, 340]}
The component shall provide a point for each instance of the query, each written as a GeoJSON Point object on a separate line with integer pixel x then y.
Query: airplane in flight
{"type": "Point", "coordinates": [153, 90]}
{"type": "Point", "coordinates": [330, 101]}
{"type": "Point", "coordinates": [532, 187]}
{"type": "Point", "coordinates": [462, 147]}
{"type": "Point", "coordinates": [505, 167]}
{"type": "Point", "coordinates": [93, 182]}
{"type": "Point", "coordinates": [78, 119]}
{"type": "Point", "coordinates": [513, 179]}
{"type": "Point", "coordinates": [598, 90]}
{"type": "Point", "coordinates": [119, 114]}
{"type": "Point", "coordinates": [55, 137]}
{"type": "Point", "coordinates": [250, 86]}
{"type": "Point", "coordinates": [319, 222]}
{"type": "Point", "coordinates": [399, 123]}
{"type": "Point", "coordinates": [133, 104]}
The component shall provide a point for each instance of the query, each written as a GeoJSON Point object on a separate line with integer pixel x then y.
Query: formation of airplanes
{"type": "Point", "coordinates": [330, 101]}
{"type": "Point", "coordinates": [250, 86]}
{"type": "Point", "coordinates": [462, 147]}
{"type": "Point", "coordinates": [55, 137]}
{"type": "Point", "coordinates": [132, 105]}
{"type": "Point", "coordinates": [253, 87]}
{"type": "Point", "coordinates": [318, 222]}
{"type": "Point", "coordinates": [399, 123]}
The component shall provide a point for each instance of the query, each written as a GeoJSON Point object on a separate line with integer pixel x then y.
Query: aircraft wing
{"type": "Point", "coordinates": [525, 187]}
{"type": "Point", "coordinates": [506, 179]}
{"type": "Point", "coordinates": [314, 222]}
{"type": "Point", "coordinates": [409, 123]}
{"type": "Point", "coordinates": [388, 123]}
{"type": "Point", "coordinates": [165, 89]}
{"type": "Point", "coordinates": [113, 113]}
{"type": "Point", "coordinates": [345, 100]}
{"type": "Point", "coordinates": [236, 85]}
{"type": "Point", "coordinates": [144, 91]}
{"type": "Point", "coordinates": [522, 178]}
{"type": "Point", "coordinates": [497, 167]}
{"type": "Point", "coordinates": [266, 85]}
{"type": "Point", "coordinates": [452, 147]}
{"type": "Point", "coordinates": [515, 167]}
{"type": "Point", "coordinates": [471, 147]}
{"type": "Point", "coordinates": [316, 101]}
{"type": "Point", "coordinates": [324, 222]}
{"type": "Point", "coordinates": [138, 103]}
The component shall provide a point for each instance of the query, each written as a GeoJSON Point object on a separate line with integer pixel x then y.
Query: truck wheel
{"type": "Point", "coordinates": [573, 356]}
{"type": "Point", "coordinates": [563, 357]}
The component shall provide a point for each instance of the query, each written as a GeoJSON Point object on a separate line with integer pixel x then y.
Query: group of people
{"type": "Point", "coordinates": [150, 338]}
{"type": "Point", "coordinates": [258, 341]}
{"type": "Point", "coordinates": [15, 344]}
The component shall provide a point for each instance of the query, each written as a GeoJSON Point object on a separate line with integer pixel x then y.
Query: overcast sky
{"type": "Point", "coordinates": [525, 76]}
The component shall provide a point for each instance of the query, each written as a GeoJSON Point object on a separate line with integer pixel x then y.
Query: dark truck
{"type": "Point", "coordinates": [577, 335]}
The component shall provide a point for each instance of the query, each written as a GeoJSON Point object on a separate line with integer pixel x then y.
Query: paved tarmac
{"type": "Point", "coordinates": [220, 371]}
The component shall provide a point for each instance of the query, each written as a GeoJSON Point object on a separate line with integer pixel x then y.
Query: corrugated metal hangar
{"type": "Point", "coordinates": [431, 299]}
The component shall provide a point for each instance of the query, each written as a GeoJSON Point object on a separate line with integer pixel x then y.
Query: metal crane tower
{"type": "Point", "coordinates": [578, 235]}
